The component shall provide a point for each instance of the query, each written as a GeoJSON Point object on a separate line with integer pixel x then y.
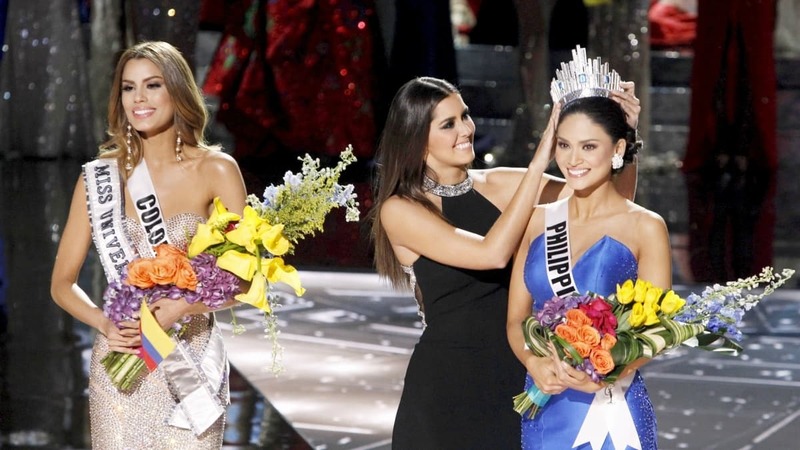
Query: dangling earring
{"type": "Point", "coordinates": [178, 148]}
{"type": "Point", "coordinates": [129, 156]}
{"type": "Point", "coordinates": [616, 161]}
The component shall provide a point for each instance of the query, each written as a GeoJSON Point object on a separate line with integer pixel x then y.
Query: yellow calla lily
{"type": "Point", "coordinates": [257, 294]}
{"type": "Point", "coordinates": [220, 216]}
{"type": "Point", "coordinates": [273, 240]}
{"type": "Point", "coordinates": [246, 232]}
{"type": "Point", "coordinates": [276, 271]}
{"type": "Point", "coordinates": [204, 237]}
{"type": "Point", "coordinates": [243, 265]}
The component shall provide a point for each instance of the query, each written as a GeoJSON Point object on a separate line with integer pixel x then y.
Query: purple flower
{"type": "Point", "coordinates": [554, 310]}
{"type": "Point", "coordinates": [214, 287]}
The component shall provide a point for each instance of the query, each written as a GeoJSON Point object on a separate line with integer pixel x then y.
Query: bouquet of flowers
{"type": "Point", "coordinates": [601, 336]}
{"type": "Point", "coordinates": [171, 275]}
{"type": "Point", "coordinates": [229, 248]}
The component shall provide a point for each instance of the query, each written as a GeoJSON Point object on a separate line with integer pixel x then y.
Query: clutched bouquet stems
{"type": "Point", "coordinates": [252, 246]}
{"type": "Point", "coordinates": [602, 336]}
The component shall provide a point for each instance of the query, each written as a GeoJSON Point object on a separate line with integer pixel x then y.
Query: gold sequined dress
{"type": "Point", "coordinates": [138, 419]}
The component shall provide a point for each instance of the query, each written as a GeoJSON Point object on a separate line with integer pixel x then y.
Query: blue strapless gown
{"type": "Point", "coordinates": [555, 427]}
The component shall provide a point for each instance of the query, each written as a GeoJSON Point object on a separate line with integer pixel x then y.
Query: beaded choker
{"type": "Point", "coordinates": [447, 190]}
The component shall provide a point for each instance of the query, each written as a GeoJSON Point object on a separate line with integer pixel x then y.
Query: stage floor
{"type": "Point", "coordinates": [347, 341]}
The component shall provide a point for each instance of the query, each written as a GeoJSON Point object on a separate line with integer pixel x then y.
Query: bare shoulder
{"type": "Point", "coordinates": [396, 207]}
{"type": "Point", "coordinates": [498, 175]}
{"type": "Point", "coordinates": [647, 221]}
{"type": "Point", "coordinates": [216, 163]}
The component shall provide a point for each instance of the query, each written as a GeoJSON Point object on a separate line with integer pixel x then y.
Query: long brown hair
{"type": "Point", "coordinates": [191, 116]}
{"type": "Point", "coordinates": [400, 160]}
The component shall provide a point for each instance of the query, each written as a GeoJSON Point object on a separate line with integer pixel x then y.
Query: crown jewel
{"type": "Point", "coordinates": [582, 77]}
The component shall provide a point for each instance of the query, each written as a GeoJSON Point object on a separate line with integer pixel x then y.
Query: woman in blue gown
{"type": "Point", "coordinates": [609, 239]}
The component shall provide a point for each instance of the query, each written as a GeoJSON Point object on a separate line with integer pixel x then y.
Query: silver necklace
{"type": "Point", "coordinates": [447, 190]}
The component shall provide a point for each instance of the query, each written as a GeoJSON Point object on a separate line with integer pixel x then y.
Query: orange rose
{"type": "Point", "coordinates": [185, 277]}
{"type": "Point", "coordinates": [567, 333]}
{"type": "Point", "coordinates": [164, 270]}
{"type": "Point", "coordinates": [602, 361]}
{"type": "Point", "coordinates": [582, 348]}
{"type": "Point", "coordinates": [163, 250]}
{"type": "Point", "coordinates": [577, 318]}
{"type": "Point", "coordinates": [589, 335]}
{"type": "Point", "coordinates": [139, 271]}
{"type": "Point", "coordinates": [608, 342]}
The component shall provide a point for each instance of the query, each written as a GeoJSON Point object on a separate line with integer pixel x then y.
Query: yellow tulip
{"type": "Point", "coordinates": [220, 216]}
{"type": "Point", "coordinates": [640, 289]}
{"type": "Point", "coordinates": [204, 237]}
{"type": "Point", "coordinates": [651, 314]}
{"type": "Point", "coordinates": [257, 294]}
{"type": "Point", "coordinates": [243, 265]}
{"type": "Point", "coordinates": [625, 292]}
{"type": "Point", "coordinates": [672, 303]}
{"type": "Point", "coordinates": [652, 295]}
{"type": "Point", "coordinates": [637, 317]}
{"type": "Point", "coordinates": [273, 240]}
{"type": "Point", "coordinates": [276, 271]}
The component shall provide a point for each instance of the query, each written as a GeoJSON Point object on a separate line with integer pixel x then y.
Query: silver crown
{"type": "Point", "coordinates": [582, 77]}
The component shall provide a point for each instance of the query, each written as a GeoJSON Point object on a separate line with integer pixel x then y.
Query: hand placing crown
{"type": "Point", "coordinates": [583, 77]}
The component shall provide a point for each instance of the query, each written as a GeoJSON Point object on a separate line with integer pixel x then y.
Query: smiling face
{"type": "Point", "coordinates": [147, 103]}
{"type": "Point", "coordinates": [450, 138]}
{"type": "Point", "coordinates": [584, 150]}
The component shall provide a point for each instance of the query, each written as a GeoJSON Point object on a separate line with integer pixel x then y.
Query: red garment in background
{"type": "Point", "coordinates": [670, 26]}
{"type": "Point", "coordinates": [295, 76]}
{"type": "Point", "coordinates": [731, 156]}
{"type": "Point", "coordinates": [726, 32]}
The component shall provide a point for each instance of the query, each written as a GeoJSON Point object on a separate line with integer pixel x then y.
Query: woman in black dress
{"type": "Point", "coordinates": [449, 232]}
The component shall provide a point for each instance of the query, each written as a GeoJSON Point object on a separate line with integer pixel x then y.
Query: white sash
{"type": "Point", "coordinates": [557, 252]}
{"type": "Point", "coordinates": [195, 386]}
{"type": "Point", "coordinates": [105, 203]}
{"type": "Point", "coordinates": [145, 201]}
{"type": "Point", "coordinates": [609, 413]}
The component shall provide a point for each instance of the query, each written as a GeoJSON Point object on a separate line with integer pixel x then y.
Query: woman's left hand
{"type": "Point", "coordinates": [574, 378]}
{"type": "Point", "coordinates": [168, 311]}
{"type": "Point", "coordinates": [629, 102]}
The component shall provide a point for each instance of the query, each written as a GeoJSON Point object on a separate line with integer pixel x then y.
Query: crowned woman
{"type": "Point", "coordinates": [590, 241]}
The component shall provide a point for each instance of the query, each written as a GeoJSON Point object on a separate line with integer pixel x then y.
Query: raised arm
{"type": "Point", "coordinates": [413, 228]}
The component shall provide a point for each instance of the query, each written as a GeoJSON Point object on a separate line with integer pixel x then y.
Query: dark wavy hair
{"type": "Point", "coordinates": [610, 116]}
{"type": "Point", "coordinates": [400, 158]}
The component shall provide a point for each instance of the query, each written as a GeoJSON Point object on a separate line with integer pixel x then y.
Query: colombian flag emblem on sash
{"type": "Point", "coordinates": [156, 343]}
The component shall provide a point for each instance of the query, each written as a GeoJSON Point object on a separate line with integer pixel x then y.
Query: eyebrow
{"type": "Point", "coordinates": [145, 80]}
{"type": "Point", "coordinates": [580, 142]}
{"type": "Point", "coordinates": [446, 119]}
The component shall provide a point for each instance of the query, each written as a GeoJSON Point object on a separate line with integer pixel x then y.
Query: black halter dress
{"type": "Point", "coordinates": [462, 375]}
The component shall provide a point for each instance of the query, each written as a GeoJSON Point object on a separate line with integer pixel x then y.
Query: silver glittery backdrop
{"type": "Point", "coordinates": [44, 102]}
{"type": "Point", "coordinates": [619, 33]}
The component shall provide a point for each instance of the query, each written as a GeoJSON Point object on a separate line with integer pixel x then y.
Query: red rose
{"type": "Point", "coordinates": [603, 319]}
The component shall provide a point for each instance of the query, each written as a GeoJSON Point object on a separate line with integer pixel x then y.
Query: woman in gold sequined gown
{"type": "Point", "coordinates": [156, 116]}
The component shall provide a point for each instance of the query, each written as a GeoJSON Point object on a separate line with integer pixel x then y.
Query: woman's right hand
{"type": "Point", "coordinates": [123, 339]}
{"type": "Point", "coordinates": [546, 148]}
{"type": "Point", "coordinates": [544, 374]}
